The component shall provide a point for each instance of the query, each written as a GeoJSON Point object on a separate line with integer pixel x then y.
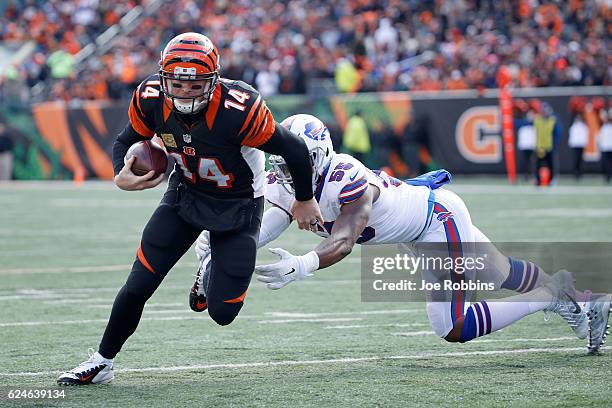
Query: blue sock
{"type": "Point", "coordinates": [523, 276]}
{"type": "Point", "coordinates": [477, 322]}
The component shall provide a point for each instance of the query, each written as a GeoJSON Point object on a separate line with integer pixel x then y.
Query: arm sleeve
{"type": "Point", "coordinates": [294, 151]}
{"type": "Point", "coordinates": [126, 138]}
{"type": "Point", "coordinates": [274, 222]}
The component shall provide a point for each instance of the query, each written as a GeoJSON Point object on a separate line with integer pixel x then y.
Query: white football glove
{"type": "Point", "coordinates": [202, 248]}
{"type": "Point", "coordinates": [290, 268]}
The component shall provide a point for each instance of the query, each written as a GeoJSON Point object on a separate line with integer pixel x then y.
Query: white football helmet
{"type": "Point", "coordinates": [320, 147]}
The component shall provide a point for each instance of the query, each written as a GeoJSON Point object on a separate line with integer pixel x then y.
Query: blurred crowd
{"type": "Point", "coordinates": [59, 30]}
{"type": "Point", "coordinates": [281, 47]}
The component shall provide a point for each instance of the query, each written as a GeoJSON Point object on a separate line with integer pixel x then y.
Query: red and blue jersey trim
{"type": "Point", "coordinates": [353, 191]}
{"type": "Point", "coordinates": [455, 250]}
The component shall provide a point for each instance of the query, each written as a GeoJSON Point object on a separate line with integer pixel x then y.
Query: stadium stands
{"type": "Point", "coordinates": [389, 44]}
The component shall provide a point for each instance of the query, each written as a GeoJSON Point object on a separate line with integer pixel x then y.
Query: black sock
{"type": "Point", "coordinates": [123, 321]}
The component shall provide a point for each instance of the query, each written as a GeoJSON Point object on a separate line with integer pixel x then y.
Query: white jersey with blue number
{"type": "Point", "coordinates": [399, 214]}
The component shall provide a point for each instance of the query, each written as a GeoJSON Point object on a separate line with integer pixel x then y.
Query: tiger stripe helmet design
{"type": "Point", "coordinates": [189, 71]}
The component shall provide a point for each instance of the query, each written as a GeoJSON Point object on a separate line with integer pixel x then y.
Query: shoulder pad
{"type": "Point", "coordinates": [246, 109]}
{"type": "Point", "coordinates": [347, 179]}
{"type": "Point", "coordinates": [240, 85]}
{"type": "Point", "coordinates": [144, 101]}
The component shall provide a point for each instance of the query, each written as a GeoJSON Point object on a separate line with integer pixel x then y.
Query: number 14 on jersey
{"type": "Point", "coordinates": [209, 169]}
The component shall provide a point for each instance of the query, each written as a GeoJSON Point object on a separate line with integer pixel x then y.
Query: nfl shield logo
{"type": "Point", "coordinates": [187, 138]}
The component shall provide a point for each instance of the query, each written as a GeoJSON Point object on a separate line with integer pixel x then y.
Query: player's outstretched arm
{"type": "Point", "coordinates": [274, 222]}
{"type": "Point", "coordinates": [353, 219]}
{"type": "Point", "coordinates": [349, 225]}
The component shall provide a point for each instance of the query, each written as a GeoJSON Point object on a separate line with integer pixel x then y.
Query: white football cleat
{"type": "Point", "coordinates": [565, 305]}
{"type": "Point", "coordinates": [96, 370]}
{"type": "Point", "coordinates": [197, 294]}
{"type": "Point", "coordinates": [599, 314]}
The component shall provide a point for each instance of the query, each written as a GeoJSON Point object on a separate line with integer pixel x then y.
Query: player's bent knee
{"type": "Point", "coordinates": [452, 337]}
{"type": "Point", "coordinates": [224, 314]}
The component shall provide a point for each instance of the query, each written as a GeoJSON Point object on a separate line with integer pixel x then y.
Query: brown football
{"type": "Point", "coordinates": [149, 156]}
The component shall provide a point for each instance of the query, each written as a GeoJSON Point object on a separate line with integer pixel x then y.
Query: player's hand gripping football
{"type": "Point", "coordinates": [290, 268]}
{"type": "Point", "coordinates": [126, 180]}
{"type": "Point", "coordinates": [202, 247]}
{"type": "Point", "coordinates": [307, 214]}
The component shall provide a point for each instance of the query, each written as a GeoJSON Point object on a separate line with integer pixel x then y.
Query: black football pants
{"type": "Point", "coordinates": [165, 239]}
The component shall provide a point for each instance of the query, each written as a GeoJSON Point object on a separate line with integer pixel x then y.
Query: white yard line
{"type": "Point", "coordinates": [518, 340]}
{"type": "Point", "coordinates": [412, 334]}
{"type": "Point", "coordinates": [74, 269]}
{"type": "Point", "coordinates": [367, 326]}
{"type": "Point", "coordinates": [189, 315]}
{"type": "Point", "coordinates": [181, 311]}
{"type": "Point", "coordinates": [81, 269]}
{"type": "Point", "coordinates": [90, 302]}
{"type": "Point", "coordinates": [339, 319]}
{"type": "Point", "coordinates": [73, 291]}
{"type": "Point", "coordinates": [486, 340]}
{"type": "Point", "coordinates": [558, 212]}
{"type": "Point", "coordinates": [347, 360]}
{"type": "Point", "coordinates": [82, 293]}
{"type": "Point", "coordinates": [109, 303]}
{"type": "Point", "coordinates": [61, 322]}
{"type": "Point", "coordinates": [359, 312]}
{"type": "Point", "coordinates": [88, 321]}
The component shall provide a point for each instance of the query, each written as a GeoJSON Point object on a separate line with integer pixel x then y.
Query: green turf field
{"type": "Point", "coordinates": [64, 252]}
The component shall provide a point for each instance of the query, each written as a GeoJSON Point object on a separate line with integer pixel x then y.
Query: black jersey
{"type": "Point", "coordinates": [215, 153]}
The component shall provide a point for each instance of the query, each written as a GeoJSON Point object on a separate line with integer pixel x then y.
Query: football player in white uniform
{"type": "Point", "coordinates": [366, 207]}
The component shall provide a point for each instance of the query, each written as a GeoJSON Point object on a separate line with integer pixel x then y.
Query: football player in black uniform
{"type": "Point", "coordinates": [217, 131]}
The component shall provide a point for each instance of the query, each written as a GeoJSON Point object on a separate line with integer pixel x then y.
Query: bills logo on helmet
{"type": "Point", "coordinates": [315, 131]}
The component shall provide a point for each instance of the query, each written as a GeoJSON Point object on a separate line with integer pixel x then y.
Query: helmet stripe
{"type": "Point", "coordinates": [213, 61]}
{"type": "Point", "coordinates": [187, 50]}
{"type": "Point", "coordinates": [193, 61]}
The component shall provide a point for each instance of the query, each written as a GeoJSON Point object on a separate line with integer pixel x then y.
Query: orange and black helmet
{"type": "Point", "coordinates": [189, 71]}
